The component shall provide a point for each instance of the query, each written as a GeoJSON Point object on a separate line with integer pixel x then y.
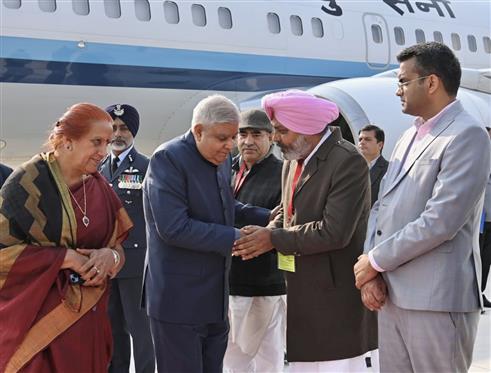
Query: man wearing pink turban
{"type": "Point", "coordinates": [319, 233]}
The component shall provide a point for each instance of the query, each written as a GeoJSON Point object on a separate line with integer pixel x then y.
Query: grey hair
{"type": "Point", "coordinates": [215, 109]}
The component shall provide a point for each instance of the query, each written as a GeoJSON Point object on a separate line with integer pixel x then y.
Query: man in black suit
{"type": "Point", "coordinates": [370, 143]}
{"type": "Point", "coordinates": [125, 169]}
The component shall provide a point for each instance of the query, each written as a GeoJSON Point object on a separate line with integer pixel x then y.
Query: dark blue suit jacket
{"type": "Point", "coordinates": [189, 211]}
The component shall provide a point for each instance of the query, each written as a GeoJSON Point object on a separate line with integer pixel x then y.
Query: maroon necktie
{"type": "Point", "coordinates": [296, 176]}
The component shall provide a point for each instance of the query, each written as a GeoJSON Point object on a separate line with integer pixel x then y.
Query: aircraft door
{"type": "Point", "coordinates": [377, 41]}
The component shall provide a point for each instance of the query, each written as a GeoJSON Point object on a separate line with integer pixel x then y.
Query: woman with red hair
{"type": "Point", "coordinates": [61, 226]}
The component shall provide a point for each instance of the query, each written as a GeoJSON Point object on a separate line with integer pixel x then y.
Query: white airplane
{"type": "Point", "coordinates": [164, 56]}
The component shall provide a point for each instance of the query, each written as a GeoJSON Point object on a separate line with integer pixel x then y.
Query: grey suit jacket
{"type": "Point", "coordinates": [424, 228]}
{"type": "Point", "coordinates": [487, 201]}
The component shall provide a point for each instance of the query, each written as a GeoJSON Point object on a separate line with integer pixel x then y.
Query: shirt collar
{"type": "Point", "coordinates": [123, 155]}
{"type": "Point", "coordinates": [372, 162]}
{"type": "Point", "coordinates": [322, 140]}
{"type": "Point", "coordinates": [424, 127]}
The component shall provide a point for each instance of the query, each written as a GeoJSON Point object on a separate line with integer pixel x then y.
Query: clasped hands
{"type": "Point", "coordinates": [253, 241]}
{"type": "Point", "coordinates": [371, 284]}
{"type": "Point", "coordinates": [94, 266]}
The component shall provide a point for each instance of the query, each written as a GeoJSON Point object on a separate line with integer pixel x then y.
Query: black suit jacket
{"type": "Point", "coordinates": [377, 172]}
{"type": "Point", "coordinates": [127, 182]}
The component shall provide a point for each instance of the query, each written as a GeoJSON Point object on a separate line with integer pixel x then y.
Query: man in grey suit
{"type": "Point", "coordinates": [370, 143]}
{"type": "Point", "coordinates": [421, 265]}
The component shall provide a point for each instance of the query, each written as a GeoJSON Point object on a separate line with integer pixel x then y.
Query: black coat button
{"type": "Point", "coordinates": [379, 233]}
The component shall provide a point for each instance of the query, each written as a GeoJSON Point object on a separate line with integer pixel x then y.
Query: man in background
{"type": "Point", "coordinates": [257, 287]}
{"type": "Point", "coordinates": [125, 169]}
{"type": "Point", "coordinates": [371, 142]}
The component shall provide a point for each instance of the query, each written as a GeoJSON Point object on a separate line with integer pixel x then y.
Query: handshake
{"type": "Point", "coordinates": [253, 241]}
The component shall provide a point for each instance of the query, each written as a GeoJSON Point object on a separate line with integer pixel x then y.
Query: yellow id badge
{"type": "Point", "coordinates": [286, 262]}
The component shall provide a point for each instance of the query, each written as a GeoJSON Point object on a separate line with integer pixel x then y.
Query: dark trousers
{"type": "Point", "coordinates": [189, 348]}
{"type": "Point", "coordinates": [127, 319]}
{"type": "Point", "coordinates": [485, 246]}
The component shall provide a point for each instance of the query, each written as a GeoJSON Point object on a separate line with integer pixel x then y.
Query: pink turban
{"type": "Point", "coordinates": [299, 111]}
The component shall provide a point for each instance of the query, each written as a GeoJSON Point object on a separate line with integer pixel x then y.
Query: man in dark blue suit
{"type": "Point", "coordinates": [125, 169]}
{"type": "Point", "coordinates": [190, 212]}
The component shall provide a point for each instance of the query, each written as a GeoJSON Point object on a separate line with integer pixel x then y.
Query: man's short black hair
{"type": "Point", "coordinates": [379, 132]}
{"type": "Point", "coordinates": [435, 58]}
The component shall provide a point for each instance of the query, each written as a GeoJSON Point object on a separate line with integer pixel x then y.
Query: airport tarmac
{"type": "Point", "coordinates": [481, 361]}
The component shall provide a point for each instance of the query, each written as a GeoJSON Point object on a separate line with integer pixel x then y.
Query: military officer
{"type": "Point", "coordinates": [125, 169]}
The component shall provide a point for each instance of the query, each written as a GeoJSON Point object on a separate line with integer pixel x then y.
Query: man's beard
{"type": "Point", "coordinates": [119, 145]}
{"type": "Point", "coordinates": [297, 150]}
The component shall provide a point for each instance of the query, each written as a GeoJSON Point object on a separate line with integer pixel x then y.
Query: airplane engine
{"type": "Point", "coordinates": [373, 100]}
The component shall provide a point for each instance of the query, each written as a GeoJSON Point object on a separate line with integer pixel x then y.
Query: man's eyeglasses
{"type": "Point", "coordinates": [400, 85]}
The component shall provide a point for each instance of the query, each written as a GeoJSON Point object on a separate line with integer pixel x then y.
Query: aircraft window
{"type": "Point", "coordinates": [420, 36]}
{"type": "Point", "coordinates": [399, 36]}
{"type": "Point", "coordinates": [11, 4]}
{"type": "Point", "coordinates": [377, 34]}
{"type": "Point", "coordinates": [274, 23]}
{"type": "Point", "coordinates": [112, 8]}
{"type": "Point", "coordinates": [224, 17]}
{"type": "Point", "coordinates": [456, 41]}
{"type": "Point", "coordinates": [437, 36]}
{"type": "Point", "coordinates": [317, 27]}
{"type": "Point", "coordinates": [487, 44]}
{"type": "Point", "coordinates": [171, 12]}
{"type": "Point", "coordinates": [142, 10]}
{"type": "Point", "coordinates": [81, 7]}
{"type": "Point", "coordinates": [471, 41]}
{"type": "Point", "coordinates": [296, 25]}
{"type": "Point", "coordinates": [199, 15]}
{"type": "Point", "coordinates": [48, 6]}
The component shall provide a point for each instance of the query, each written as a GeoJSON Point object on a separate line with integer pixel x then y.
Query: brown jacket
{"type": "Point", "coordinates": [326, 319]}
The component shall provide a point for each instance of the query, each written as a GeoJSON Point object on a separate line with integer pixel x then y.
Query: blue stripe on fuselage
{"type": "Point", "coordinates": [28, 60]}
{"type": "Point", "coordinates": [44, 72]}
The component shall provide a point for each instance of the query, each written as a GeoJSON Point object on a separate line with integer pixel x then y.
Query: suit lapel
{"type": "Point", "coordinates": [321, 154]}
{"type": "Point", "coordinates": [307, 174]}
{"type": "Point", "coordinates": [375, 172]}
{"type": "Point", "coordinates": [225, 192]}
{"type": "Point", "coordinates": [418, 149]}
